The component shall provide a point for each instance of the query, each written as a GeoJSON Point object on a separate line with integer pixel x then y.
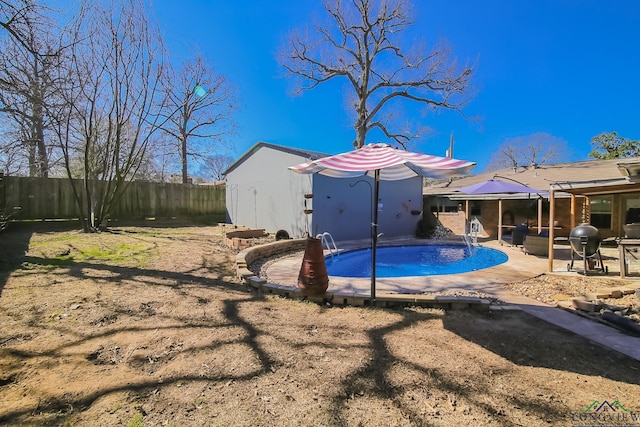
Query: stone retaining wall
{"type": "Point", "coordinates": [254, 253]}
{"type": "Point", "coordinates": [241, 239]}
{"type": "Point", "coordinates": [246, 234]}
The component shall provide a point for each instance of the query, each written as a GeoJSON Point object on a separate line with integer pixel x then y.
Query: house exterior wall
{"type": "Point", "coordinates": [620, 203]}
{"type": "Point", "coordinates": [343, 208]}
{"type": "Point", "coordinates": [521, 210]}
{"type": "Point", "coordinates": [631, 200]}
{"type": "Point", "coordinates": [263, 193]}
{"type": "Point", "coordinates": [454, 221]}
{"type": "Point", "coordinates": [516, 212]}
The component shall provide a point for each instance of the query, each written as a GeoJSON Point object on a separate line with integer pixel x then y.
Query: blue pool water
{"type": "Point", "coordinates": [426, 260]}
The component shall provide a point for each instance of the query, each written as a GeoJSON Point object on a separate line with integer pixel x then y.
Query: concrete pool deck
{"type": "Point", "coordinates": [490, 281]}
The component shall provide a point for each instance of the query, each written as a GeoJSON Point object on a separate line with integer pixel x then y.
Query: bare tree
{"type": "Point", "coordinates": [114, 106]}
{"type": "Point", "coordinates": [200, 107]}
{"type": "Point", "coordinates": [530, 150]}
{"type": "Point", "coordinates": [30, 87]}
{"type": "Point", "coordinates": [214, 166]}
{"type": "Point", "coordinates": [19, 18]}
{"type": "Point", "coordinates": [506, 156]}
{"type": "Point", "coordinates": [160, 160]}
{"type": "Point", "coordinates": [362, 43]}
{"type": "Point", "coordinates": [12, 160]}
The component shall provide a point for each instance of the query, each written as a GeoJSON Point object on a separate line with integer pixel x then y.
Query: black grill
{"type": "Point", "coordinates": [585, 242]}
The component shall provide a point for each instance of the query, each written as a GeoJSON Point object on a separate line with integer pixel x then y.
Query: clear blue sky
{"type": "Point", "coordinates": [570, 68]}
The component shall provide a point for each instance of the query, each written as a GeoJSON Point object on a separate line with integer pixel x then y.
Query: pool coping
{"type": "Point", "coordinates": [428, 291]}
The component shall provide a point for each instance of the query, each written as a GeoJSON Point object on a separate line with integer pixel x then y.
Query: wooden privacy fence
{"type": "Point", "coordinates": [52, 198]}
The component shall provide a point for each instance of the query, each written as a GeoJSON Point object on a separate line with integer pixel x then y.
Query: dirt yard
{"type": "Point", "coordinates": [148, 326]}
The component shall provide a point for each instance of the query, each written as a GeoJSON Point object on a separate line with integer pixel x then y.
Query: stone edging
{"type": "Point", "coordinates": [255, 253]}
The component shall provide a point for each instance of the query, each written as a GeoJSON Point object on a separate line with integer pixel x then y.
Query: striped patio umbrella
{"type": "Point", "coordinates": [391, 164]}
{"type": "Point", "coordinates": [383, 162]}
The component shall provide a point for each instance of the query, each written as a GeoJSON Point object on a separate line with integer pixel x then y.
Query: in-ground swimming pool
{"type": "Point", "coordinates": [424, 260]}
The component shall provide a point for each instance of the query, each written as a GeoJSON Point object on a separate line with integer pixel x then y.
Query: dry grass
{"type": "Point", "coordinates": [166, 336]}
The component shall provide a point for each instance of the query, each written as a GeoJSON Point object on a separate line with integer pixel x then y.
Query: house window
{"type": "Point", "coordinates": [631, 208]}
{"type": "Point", "coordinates": [444, 208]}
{"type": "Point", "coordinates": [444, 205]}
{"type": "Point", "coordinates": [601, 212]}
{"type": "Point", "coordinates": [475, 210]}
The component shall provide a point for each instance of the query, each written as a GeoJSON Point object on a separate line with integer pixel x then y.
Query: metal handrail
{"type": "Point", "coordinates": [325, 242]}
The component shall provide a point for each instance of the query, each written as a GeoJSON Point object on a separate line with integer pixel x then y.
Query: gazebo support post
{"type": "Point", "coordinates": [573, 211]}
{"type": "Point", "coordinates": [500, 221]}
{"type": "Point", "coordinates": [552, 214]}
{"type": "Point", "coordinates": [540, 201]}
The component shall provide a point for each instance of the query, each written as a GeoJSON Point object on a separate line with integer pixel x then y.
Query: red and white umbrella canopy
{"type": "Point", "coordinates": [383, 163]}
{"type": "Point", "coordinates": [393, 164]}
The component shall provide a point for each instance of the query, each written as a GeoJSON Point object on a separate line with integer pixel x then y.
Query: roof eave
{"type": "Point", "coordinates": [311, 155]}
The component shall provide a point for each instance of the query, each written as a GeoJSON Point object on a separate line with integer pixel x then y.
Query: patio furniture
{"type": "Point", "coordinates": [626, 247]}
{"type": "Point", "coordinates": [632, 224]}
{"type": "Point", "coordinates": [518, 235]}
{"type": "Point", "coordinates": [536, 245]}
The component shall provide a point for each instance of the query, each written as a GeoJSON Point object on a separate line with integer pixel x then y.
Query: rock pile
{"type": "Point", "coordinates": [617, 305]}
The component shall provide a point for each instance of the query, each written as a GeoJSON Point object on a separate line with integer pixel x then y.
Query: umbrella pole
{"type": "Point", "coordinates": [374, 237]}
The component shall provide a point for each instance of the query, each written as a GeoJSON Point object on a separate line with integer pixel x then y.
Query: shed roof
{"type": "Point", "coordinates": [588, 177]}
{"type": "Point", "coordinates": [306, 154]}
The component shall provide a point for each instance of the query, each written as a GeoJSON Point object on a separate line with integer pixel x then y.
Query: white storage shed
{"type": "Point", "coordinates": [263, 193]}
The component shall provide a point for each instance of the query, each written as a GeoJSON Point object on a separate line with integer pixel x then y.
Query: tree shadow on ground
{"type": "Point", "coordinates": [14, 244]}
{"type": "Point", "coordinates": [373, 380]}
{"type": "Point", "coordinates": [518, 337]}
{"type": "Point", "coordinates": [187, 284]}
{"type": "Point", "coordinates": [243, 346]}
